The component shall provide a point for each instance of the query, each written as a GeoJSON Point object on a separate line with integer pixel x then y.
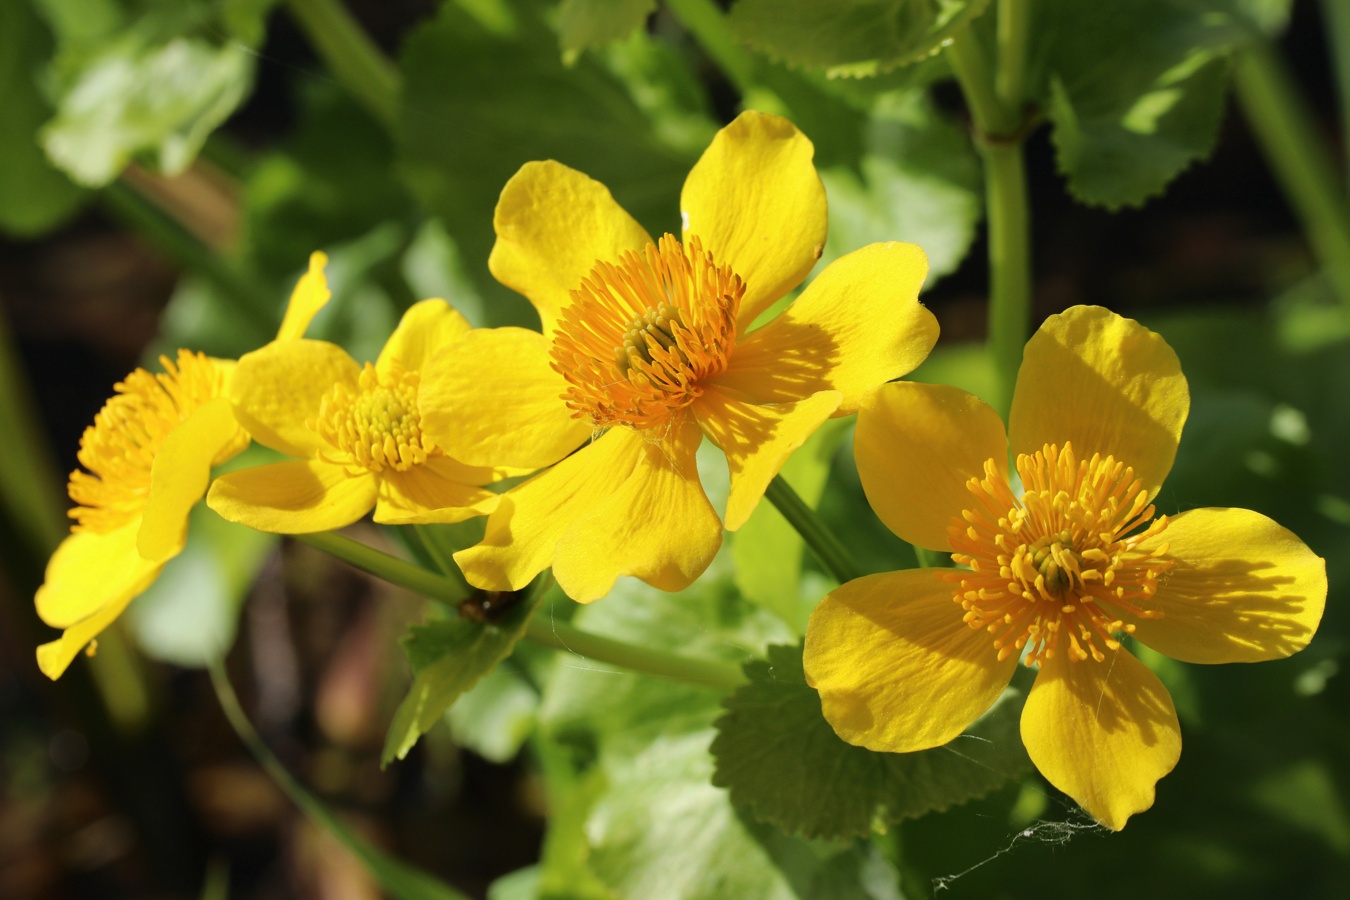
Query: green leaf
{"type": "Point", "coordinates": [851, 37]}
{"type": "Point", "coordinates": [779, 758]}
{"type": "Point", "coordinates": [583, 24]}
{"type": "Point", "coordinates": [496, 716]}
{"type": "Point", "coordinates": [448, 657]}
{"type": "Point", "coordinates": [480, 103]}
{"type": "Point", "coordinates": [34, 197]}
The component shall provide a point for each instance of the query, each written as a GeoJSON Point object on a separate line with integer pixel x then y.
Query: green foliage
{"type": "Point", "coordinates": [584, 24]}
{"type": "Point", "coordinates": [779, 758]}
{"type": "Point", "coordinates": [852, 38]}
{"type": "Point", "coordinates": [448, 657]}
{"type": "Point", "coordinates": [496, 716]}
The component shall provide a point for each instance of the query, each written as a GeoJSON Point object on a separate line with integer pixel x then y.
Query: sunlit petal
{"type": "Point", "coordinates": [310, 295]}
{"type": "Point", "coordinates": [425, 329]}
{"type": "Point", "coordinates": [276, 390]}
{"type": "Point", "coordinates": [295, 497]}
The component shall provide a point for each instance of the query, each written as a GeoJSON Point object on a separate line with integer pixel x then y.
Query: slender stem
{"type": "Point", "coordinates": [1009, 263]}
{"type": "Point", "coordinates": [1014, 24]}
{"type": "Point", "coordinates": [559, 635]}
{"type": "Point", "coordinates": [441, 553]}
{"type": "Point", "coordinates": [352, 56]}
{"type": "Point", "coordinates": [1285, 128]}
{"type": "Point", "coordinates": [833, 555]}
{"type": "Point", "coordinates": [28, 482]}
{"type": "Point", "coordinates": [708, 24]}
{"type": "Point", "coordinates": [972, 71]}
{"type": "Point", "coordinates": [1336, 16]}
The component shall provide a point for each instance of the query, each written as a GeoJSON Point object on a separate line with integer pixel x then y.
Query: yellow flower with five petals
{"type": "Point", "coordinates": [648, 346]}
{"type": "Point", "coordinates": [1055, 570]}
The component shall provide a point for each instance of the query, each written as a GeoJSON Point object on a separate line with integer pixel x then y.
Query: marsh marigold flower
{"type": "Point", "coordinates": [647, 347]}
{"type": "Point", "coordinates": [1055, 566]}
{"type": "Point", "coordinates": [356, 430]}
{"type": "Point", "coordinates": [147, 460]}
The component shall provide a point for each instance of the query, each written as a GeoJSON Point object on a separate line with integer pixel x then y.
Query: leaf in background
{"type": "Point", "coordinates": [495, 717]}
{"type": "Point", "coordinates": [34, 197]}
{"type": "Point", "coordinates": [583, 24]}
{"type": "Point", "coordinates": [448, 657]}
{"type": "Point", "coordinates": [851, 37]}
{"type": "Point", "coordinates": [479, 103]}
{"type": "Point", "coordinates": [778, 757]}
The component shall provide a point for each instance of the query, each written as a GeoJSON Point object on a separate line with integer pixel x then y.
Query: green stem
{"type": "Point", "coordinates": [28, 481]}
{"type": "Point", "coordinates": [559, 635]}
{"type": "Point", "coordinates": [1336, 15]}
{"type": "Point", "coordinates": [973, 74]}
{"type": "Point", "coordinates": [1285, 128]}
{"type": "Point", "coordinates": [185, 249]}
{"type": "Point", "coordinates": [351, 56]}
{"type": "Point", "coordinates": [1009, 263]}
{"type": "Point", "coordinates": [708, 25]}
{"type": "Point", "coordinates": [1014, 24]}
{"type": "Point", "coordinates": [833, 555]}
{"type": "Point", "coordinates": [442, 553]}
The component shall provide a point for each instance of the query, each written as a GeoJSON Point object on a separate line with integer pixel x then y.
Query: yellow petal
{"type": "Point", "coordinates": [523, 532]}
{"type": "Point", "coordinates": [756, 202]}
{"type": "Point", "coordinates": [425, 329]}
{"type": "Point", "coordinates": [277, 388]}
{"type": "Point", "coordinates": [294, 497]}
{"type": "Point", "coordinates": [553, 223]}
{"type": "Point", "coordinates": [430, 493]}
{"type": "Point", "coordinates": [916, 446]}
{"type": "Point", "coordinates": [758, 440]}
{"type": "Point", "coordinates": [1107, 385]}
{"type": "Point", "coordinates": [310, 295]}
{"type": "Point", "coordinates": [89, 572]}
{"type": "Point", "coordinates": [858, 325]}
{"type": "Point", "coordinates": [896, 668]}
{"type": "Point", "coordinates": [1102, 732]}
{"type": "Point", "coordinates": [55, 657]}
{"type": "Point", "coordinates": [658, 526]}
{"type": "Point", "coordinates": [494, 401]}
{"type": "Point", "coordinates": [1243, 589]}
{"type": "Point", "coordinates": [179, 475]}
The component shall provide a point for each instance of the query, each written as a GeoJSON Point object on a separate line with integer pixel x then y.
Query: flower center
{"type": "Point", "coordinates": [376, 426]}
{"type": "Point", "coordinates": [119, 448]}
{"type": "Point", "coordinates": [1059, 569]}
{"type": "Point", "coordinates": [640, 335]}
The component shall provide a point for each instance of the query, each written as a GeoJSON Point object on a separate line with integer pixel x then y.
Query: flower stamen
{"type": "Point", "coordinates": [376, 426]}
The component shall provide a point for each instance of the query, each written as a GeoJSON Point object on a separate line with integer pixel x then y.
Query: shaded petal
{"type": "Point", "coordinates": [179, 475]}
{"type": "Point", "coordinates": [758, 440]}
{"type": "Point", "coordinates": [1102, 732]}
{"type": "Point", "coordinates": [425, 329]}
{"type": "Point", "coordinates": [1107, 385]}
{"type": "Point", "coordinates": [1243, 589]}
{"type": "Point", "coordinates": [55, 657]}
{"type": "Point", "coordinates": [658, 526]}
{"type": "Point", "coordinates": [430, 493]}
{"type": "Point", "coordinates": [756, 202]}
{"type": "Point", "coordinates": [523, 532]}
{"type": "Point", "coordinates": [495, 401]}
{"type": "Point", "coordinates": [294, 497]}
{"type": "Point", "coordinates": [310, 295]}
{"type": "Point", "coordinates": [553, 223]}
{"type": "Point", "coordinates": [858, 325]}
{"type": "Point", "coordinates": [916, 446]}
{"type": "Point", "coordinates": [89, 572]}
{"type": "Point", "coordinates": [896, 667]}
{"type": "Point", "coordinates": [277, 388]}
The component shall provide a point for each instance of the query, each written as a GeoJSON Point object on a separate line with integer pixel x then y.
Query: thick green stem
{"type": "Point", "coordinates": [351, 56]}
{"type": "Point", "coordinates": [973, 73]}
{"type": "Point", "coordinates": [1014, 23]}
{"type": "Point", "coordinates": [833, 555]}
{"type": "Point", "coordinates": [1285, 128]}
{"type": "Point", "coordinates": [559, 635]}
{"type": "Point", "coordinates": [1009, 263]}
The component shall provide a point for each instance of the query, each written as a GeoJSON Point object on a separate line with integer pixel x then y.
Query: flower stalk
{"type": "Point", "coordinates": [831, 552]}
{"type": "Point", "coordinates": [352, 56]}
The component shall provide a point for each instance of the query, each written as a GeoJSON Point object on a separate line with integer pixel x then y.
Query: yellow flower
{"type": "Point", "coordinates": [356, 430]}
{"type": "Point", "coordinates": [1056, 570]}
{"type": "Point", "coordinates": [148, 458]}
{"type": "Point", "coordinates": [647, 347]}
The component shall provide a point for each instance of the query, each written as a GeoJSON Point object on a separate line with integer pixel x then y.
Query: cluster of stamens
{"type": "Point", "coordinates": [119, 449]}
{"type": "Point", "coordinates": [641, 334]}
{"type": "Point", "coordinates": [1060, 569]}
{"type": "Point", "coordinates": [377, 425]}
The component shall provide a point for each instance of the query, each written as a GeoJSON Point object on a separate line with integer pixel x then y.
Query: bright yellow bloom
{"type": "Point", "coordinates": [647, 347]}
{"type": "Point", "coordinates": [148, 458]}
{"type": "Point", "coordinates": [356, 430]}
{"type": "Point", "coordinates": [1055, 571]}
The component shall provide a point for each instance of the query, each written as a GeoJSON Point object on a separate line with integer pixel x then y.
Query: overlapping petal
{"type": "Point", "coordinates": [55, 657]}
{"type": "Point", "coordinates": [756, 202]}
{"type": "Point", "coordinates": [430, 492]}
{"type": "Point", "coordinates": [916, 446]}
{"type": "Point", "coordinates": [278, 388]}
{"type": "Point", "coordinates": [553, 223]}
{"type": "Point", "coordinates": [425, 329]}
{"type": "Point", "coordinates": [1242, 589]}
{"type": "Point", "coordinates": [89, 571]}
{"type": "Point", "coordinates": [896, 668]}
{"type": "Point", "coordinates": [658, 525]}
{"type": "Point", "coordinates": [1105, 384]}
{"type": "Point", "coordinates": [757, 440]}
{"type": "Point", "coordinates": [858, 325]}
{"type": "Point", "coordinates": [294, 497]}
{"type": "Point", "coordinates": [1103, 733]}
{"type": "Point", "coordinates": [495, 401]}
